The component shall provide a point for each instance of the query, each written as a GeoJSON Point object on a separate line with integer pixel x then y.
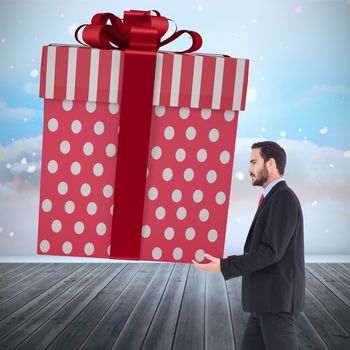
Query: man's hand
{"type": "Point", "coordinates": [213, 266]}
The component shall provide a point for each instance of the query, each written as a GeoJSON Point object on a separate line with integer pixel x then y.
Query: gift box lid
{"type": "Point", "coordinates": [187, 80]}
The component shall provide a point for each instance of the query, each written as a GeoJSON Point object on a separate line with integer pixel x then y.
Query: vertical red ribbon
{"type": "Point", "coordinates": [139, 34]}
{"type": "Point", "coordinates": [133, 145]}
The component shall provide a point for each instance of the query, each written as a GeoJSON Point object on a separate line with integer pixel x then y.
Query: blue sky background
{"type": "Point", "coordinates": [299, 95]}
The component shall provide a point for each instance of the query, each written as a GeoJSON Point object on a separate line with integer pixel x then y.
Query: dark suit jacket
{"type": "Point", "coordinates": [272, 267]}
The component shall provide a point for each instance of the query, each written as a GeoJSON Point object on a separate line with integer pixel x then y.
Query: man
{"type": "Point", "coordinates": [272, 266]}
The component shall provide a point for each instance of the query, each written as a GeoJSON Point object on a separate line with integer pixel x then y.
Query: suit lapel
{"type": "Point", "coordinates": [264, 202]}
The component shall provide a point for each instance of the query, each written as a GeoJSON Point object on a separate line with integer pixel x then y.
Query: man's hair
{"type": "Point", "coordinates": [270, 149]}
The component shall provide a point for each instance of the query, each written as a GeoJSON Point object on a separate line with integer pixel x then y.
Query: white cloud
{"type": "Point", "coordinates": [320, 91]}
{"type": "Point", "coordinates": [252, 94]}
{"type": "Point", "coordinates": [8, 112]}
{"type": "Point", "coordinates": [34, 73]}
{"type": "Point", "coordinates": [324, 130]}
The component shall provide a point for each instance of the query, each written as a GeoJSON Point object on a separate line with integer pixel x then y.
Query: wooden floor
{"type": "Point", "coordinates": [152, 306]}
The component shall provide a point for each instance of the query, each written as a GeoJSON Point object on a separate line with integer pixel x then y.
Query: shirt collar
{"type": "Point", "coordinates": [269, 187]}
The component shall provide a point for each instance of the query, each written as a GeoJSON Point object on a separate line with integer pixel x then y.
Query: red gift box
{"type": "Point", "coordinates": [133, 179]}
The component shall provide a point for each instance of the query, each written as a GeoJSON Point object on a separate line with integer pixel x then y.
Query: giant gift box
{"type": "Point", "coordinates": [138, 144]}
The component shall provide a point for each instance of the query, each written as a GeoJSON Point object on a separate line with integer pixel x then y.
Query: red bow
{"type": "Point", "coordinates": [139, 31]}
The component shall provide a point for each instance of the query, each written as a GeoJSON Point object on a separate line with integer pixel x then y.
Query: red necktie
{"type": "Point", "coordinates": [261, 199]}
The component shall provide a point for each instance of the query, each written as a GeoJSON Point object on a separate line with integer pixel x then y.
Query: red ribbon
{"type": "Point", "coordinates": [139, 36]}
{"type": "Point", "coordinates": [139, 31]}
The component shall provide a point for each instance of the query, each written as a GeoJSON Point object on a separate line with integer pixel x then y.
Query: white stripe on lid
{"type": "Point", "coordinates": [175, 81]}
{"type": "Point", "coordinates": [219, 74]}
{"type": "Point", "coordinates": [196, 83]}
{"type": "Point", "coordinates": [50, 71]}
{"type": "Point", "coordinates": [95, 55]}
{"type": "Point", "coordinates": [72, 65]}
{"type": "Point", "coordinates": [237, 93]}
{"type": "Point", "coordinates": [114, 78]}
{"type": "Point", "coordinates": [158, 79]}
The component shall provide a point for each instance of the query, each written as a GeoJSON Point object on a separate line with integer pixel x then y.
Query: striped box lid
{"type": "Point", "coordinates": [186, 80]}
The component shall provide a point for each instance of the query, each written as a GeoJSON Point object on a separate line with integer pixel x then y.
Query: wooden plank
{"type": "Point", "coordinates": [308, 337]}
{"type": "Point", "coordinates": [111, 308]}
{"type": "Point", "coordinates": [325, 324]}
{"type": "Point", "coordinates": [39, 319]}
{"type": "Point", "coordinates": [163, 325]}
{"type": "Point", "coordinates": [55, 325]}
{"type": "Point", "coordinates": [39, 272]}
{"type": "Point", "coordinates": [331, 302]}
{"type": "Point", "coordinates": [329, 281]}
{"type": "Point", "coordinates": [30, 303]}
{"type": "Point", "coordinates": [218, 323]}
{"type": "Point", "coordinates": [18, 275]}
{"type": "Point", "coordinates": [190, 328]}
{"type": "Point", "coordinates": [238, 316]}
{"type": "Point", "coordinates": [342, 269]}
{"type": "Point", "coordinates": [6, 268]}
{"type": "Point", "coordinates": [340, 278]}
{"type": "Point", "coordinates": [136, 327]}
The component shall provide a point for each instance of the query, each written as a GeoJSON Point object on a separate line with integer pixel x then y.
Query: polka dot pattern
{"type": "Point", "coordinates": [188, 180]}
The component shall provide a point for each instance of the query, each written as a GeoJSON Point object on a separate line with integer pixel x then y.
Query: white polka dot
{"type": "Point", "coordinates": [204, 215]}
{"type": "Point", "coordinates": [146, 231]}
{"type": "Point", "coordinates": [67, 105]}
{"type": "Point", "coordinates": [91, 208]}
{"type": "Point", "coordinates": [52, 166]}
{"type": "Point", "coordinates": [202, 155]}
{"type": "Point", "coordinates": [108, 191]}
{"type": "Point", "coordinates": [220, 198]}
{"type": "Point", "coordinates": [152, 193]}
{"type": "Point", "coordinates": [211, 176]}
{"type": "Point", "coordinates": [85, 189]}
{"type": "Point", "coordinates": [188, 174]}
{"type": "Point", "coordinates": [167, 174]}
{"type": "Point", "coordinates": [224, 157]}
{"type": "Point", "coordinates": [62, 188]}
{"type": "Point", "coordinates": [110, 150]}
{"type": "Point", "coordinates": [98, 169]}
{"type": "Point", "coordinates": [229, 115]}
{"type": "Point", "coordinates": [90, 106]}
{"type": "Point", "coordinates": [176, 196]}
{"type": "Point", "coordinates": [113, 108]}
{"type": "Point", "coordinates": [56, 226]}
{"type": "Point", "coordinates": [44, 246]}
{"type": "Point", "coordinates": [76, 126]}
{"type": "Point", "coordinates": [65, 147]}
{"type": "Point", "coordinates": [199, 255]}
{"type": "Point", "coordinates": [79, 227]}
{"type": "Point", "coordinates": [181, 213]}
{"type": "Point", "coordinates": [213, 135]}
{"type": "Point", "coordinates": [109, 250]}
{"type": "Point", "coordinates": [191, 133]}
{"type": "Point", "coordinates": [190, 233]}
{"type": "Point", "coordinates": [184, 112]}
{"type": "Point", "coordinates": [89, 248]}
{"type": "Point", "coordinates": [160, 213]}
{"type": "Point", "coordinates": [67, 247]}
{"type": "Point", "coordinates": [159, 110]}
{"type": "Point", "coordinates": [156, 253]}
{"type": "Point", "coordinates": [177, 253]}
{"type": "Point", "coordinates": [75, 168]}
{"type": "Point", "coordinates": [169, 233]}
{"type": "Point", "coordinates": [212, 235]}
{"type": "Point", "coordinates": [52, 124]}
{"type": "Point", "coordinates": [88, 148]}
{"type": "Point", "coordinates": [169, 133]}
{"type": "Point", "coordinates": [99, 128]}
{"type": "Point", "coordinates": [69, 207]}
{"type": "Point", "coordinates": [46, 205]}
{"type": "Point", "coordinates": [180, 155]}
{"type": "Point", "coordinates": [101, 229]}
{"type": "Point", "coordinates": [206, 113]}
{"type": "Point", "coordinates": [156, 152]}
{"type": "Point", "coordinates": [197, 196]}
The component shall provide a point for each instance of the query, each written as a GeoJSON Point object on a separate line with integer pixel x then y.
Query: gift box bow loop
{"type": "Point", "coordinates": [139, 30]}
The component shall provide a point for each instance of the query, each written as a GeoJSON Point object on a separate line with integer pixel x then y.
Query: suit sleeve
{"type": "Point", "coordinates": [281, 224]}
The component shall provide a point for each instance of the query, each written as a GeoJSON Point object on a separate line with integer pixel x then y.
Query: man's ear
{"type": "Point", "coordinates": [271, 164]}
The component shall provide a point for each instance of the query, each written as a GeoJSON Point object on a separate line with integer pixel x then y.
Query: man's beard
{"type": "Point", "coordinates": [261, 178]}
